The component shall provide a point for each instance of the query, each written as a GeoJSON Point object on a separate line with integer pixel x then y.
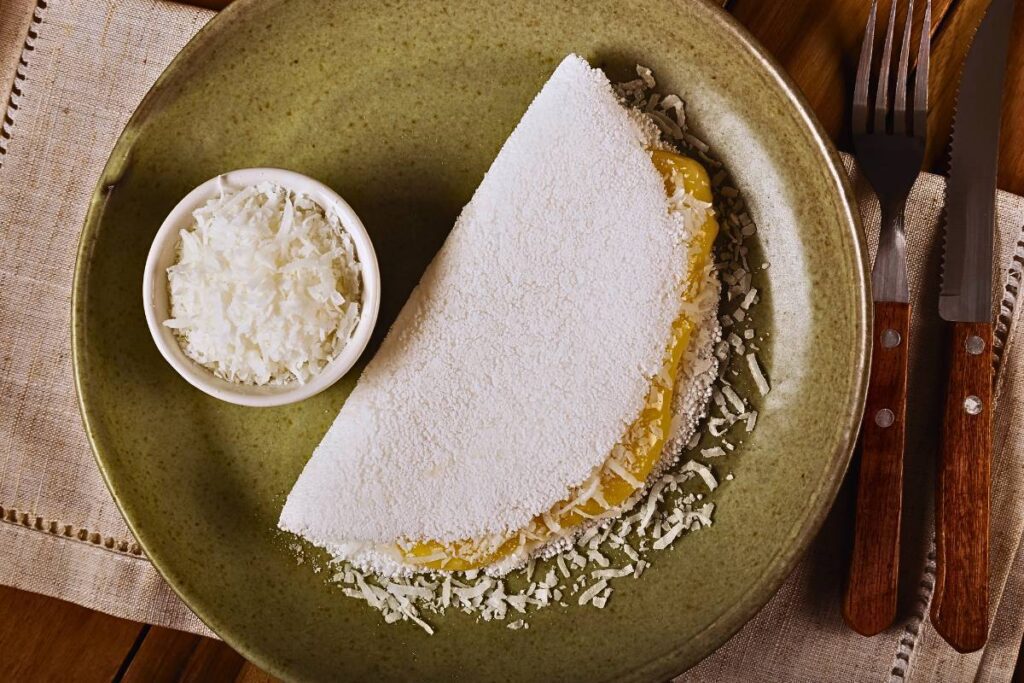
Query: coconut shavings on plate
{"type": "Point", "coordinates": [266, 288]}
{"type": "Point", "coordinates": [584, 571]}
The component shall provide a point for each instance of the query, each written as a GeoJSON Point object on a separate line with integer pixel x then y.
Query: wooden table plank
{"type": "Point", "coordinates": [43, 639]}
{"type": "Point", "coordinates": [818, 44]}
{"type": "Point", "coordinates": [1011, 160]}
{"type": "Point", "coordinates": [951, 47]}
{"type": "Point", "coordinates": [949, 50]}
{"type": "Point", "coordinates": [252, 674]}
{"type": "Point", "coordinates": [167, 656]}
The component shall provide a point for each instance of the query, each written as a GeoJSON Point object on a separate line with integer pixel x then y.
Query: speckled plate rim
{"type": "Point", "coordinates": [781, 565]}
{"type": "Point", "coordinates": [718, 632]}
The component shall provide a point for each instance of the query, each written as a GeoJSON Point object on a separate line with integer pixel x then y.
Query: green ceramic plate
{"type": "Point", "coordinates": [400, 107]}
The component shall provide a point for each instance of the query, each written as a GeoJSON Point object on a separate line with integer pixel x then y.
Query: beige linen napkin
{"type": "Point", "coordinates": [87, 65]}
{"type": "Point", "coordinates": [84, 67]}
{"type": "Point", "coordinates": [800, 634]}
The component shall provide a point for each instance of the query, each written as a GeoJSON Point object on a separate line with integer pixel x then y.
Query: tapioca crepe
{"type": "Point", "coordinates": [526, 386]}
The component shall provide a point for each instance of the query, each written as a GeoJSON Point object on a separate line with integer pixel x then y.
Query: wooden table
{"type": "Point", "coordinates": [816, 41]}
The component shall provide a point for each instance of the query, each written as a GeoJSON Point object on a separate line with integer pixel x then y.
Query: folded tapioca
{"type": "Point", "coordinates": [528, 384]}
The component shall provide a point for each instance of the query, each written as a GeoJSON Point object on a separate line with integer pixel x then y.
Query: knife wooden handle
{"type": "Point", "coordinates": [869, 604]}
{"type": "Point", "coordinates": [960, 603]}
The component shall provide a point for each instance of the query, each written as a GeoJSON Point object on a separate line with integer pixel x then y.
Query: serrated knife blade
{"type": "Point", "coordinates": [959, 607]}
{"type": "Point", "coordinates": [966, 291]}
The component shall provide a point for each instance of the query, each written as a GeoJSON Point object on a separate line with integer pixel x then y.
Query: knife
{"type": "Point", "coordinates": [959, 609]}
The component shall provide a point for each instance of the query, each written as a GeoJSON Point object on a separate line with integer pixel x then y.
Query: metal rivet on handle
{"type": "Point", "coordinates": [890, 338]}
{"type": "Point", "coordinates": [973, 405]}
{"type": "Point", "coordinates": [884, 418]}
{"type": "Point", "coordinates": [974, 344]}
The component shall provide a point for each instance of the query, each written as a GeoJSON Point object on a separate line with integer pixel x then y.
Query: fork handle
{"type": "Point", "coordinates": [960, 603]}
{"type": "Point", "coordinates": [869, 604]}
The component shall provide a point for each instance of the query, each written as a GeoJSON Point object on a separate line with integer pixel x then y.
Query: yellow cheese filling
{"type": "Point", "coordinates": [632, 459]}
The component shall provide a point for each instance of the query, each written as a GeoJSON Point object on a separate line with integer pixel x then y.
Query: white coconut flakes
{"type": "Point", "coordinates": [266, 288]}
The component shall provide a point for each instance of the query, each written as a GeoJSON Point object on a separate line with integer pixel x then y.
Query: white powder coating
{"type": "Point", "coordinates": [698, 370]}
{"type": "Point", "coordinates": [529, 345]}
{"type": "Point", "coordinates": [266, 288]}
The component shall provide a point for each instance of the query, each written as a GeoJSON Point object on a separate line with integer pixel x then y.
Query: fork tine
{"type": "Point", "coordinates": [899, 116]}
{"type": "Point", "coordinates": [921, 77]}
{"type": "Point", "coordinates": [860, 91]}
{"type": "Point", "coordinates": [882, 94]}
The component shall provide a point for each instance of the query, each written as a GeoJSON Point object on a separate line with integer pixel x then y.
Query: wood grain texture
{"type": "Point", "coordinates": [818, 44]}
{"type": "Point", "coordinates": [43, 639]}
{"type": "Point", "coordinates": [869, 602]}
{"type": "Point", "coordinates": [167, 655]}
{"type": "Point", "coordinates": [959, 609]}
{"type": "Point", "coordinates": [250, 673]}
{"type": "Point", "coordinates": [1011, 141]}
{"type": "Point", "coordinates": [949, 51]}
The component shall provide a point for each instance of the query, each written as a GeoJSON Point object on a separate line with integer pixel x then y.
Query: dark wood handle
{"type": "Point", "coordinates": [869, 604]}
{"type": "Point", "coordinates": [960, 604]}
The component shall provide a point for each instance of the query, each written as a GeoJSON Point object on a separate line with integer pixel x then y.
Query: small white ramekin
{"type": "Point", "coordinates": [156, 296]}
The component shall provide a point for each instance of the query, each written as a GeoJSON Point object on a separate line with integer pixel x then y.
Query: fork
{"type": "Point", "coordinates": [889, 150]}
